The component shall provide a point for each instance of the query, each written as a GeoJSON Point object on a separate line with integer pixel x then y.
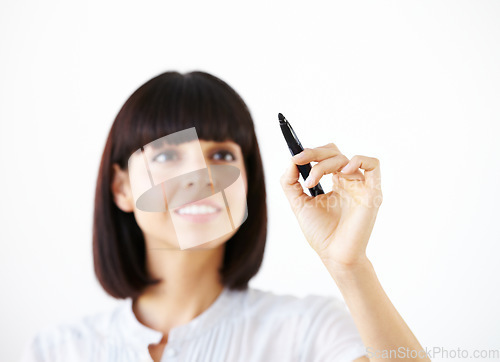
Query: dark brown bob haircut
{"type": "Point", "coordinates": [168, 103]}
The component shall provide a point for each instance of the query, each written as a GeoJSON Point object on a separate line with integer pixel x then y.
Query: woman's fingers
{"type": "Point", "coordinates": [328, 166]}
{"type": "Point", "coordinates": [370, 165]}
{"type": "Point", "coordinates": [316, 154]}
{"type": "Point", "coordinates": [291, 186]}
{"type": "Point", "coordinates": [330, 161]}
{"type": "Point", "coordinates": [325, 167]}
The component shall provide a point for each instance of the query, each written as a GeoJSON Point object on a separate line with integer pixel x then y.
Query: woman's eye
{"type": "Point", "coordinates": [166, 156]}
{"type": "Point", "coordinates": [223, 156]}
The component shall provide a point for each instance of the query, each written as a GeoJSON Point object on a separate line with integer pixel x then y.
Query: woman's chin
{"type": "Point", "coordinates": [212, 244]}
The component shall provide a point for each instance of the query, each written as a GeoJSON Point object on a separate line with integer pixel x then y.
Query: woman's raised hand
{"type": "Point", "coordinates": [337, 224]}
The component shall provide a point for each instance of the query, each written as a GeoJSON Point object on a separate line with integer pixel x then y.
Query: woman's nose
{"type": "Point", "coordinates": [197, 179]}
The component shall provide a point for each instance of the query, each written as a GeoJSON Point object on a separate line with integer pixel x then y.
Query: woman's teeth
{"type": "Point", "coordinates": [197, 210]}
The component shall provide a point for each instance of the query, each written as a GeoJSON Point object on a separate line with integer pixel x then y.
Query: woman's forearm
{"type": "Point", "coordinates": [381, 327]}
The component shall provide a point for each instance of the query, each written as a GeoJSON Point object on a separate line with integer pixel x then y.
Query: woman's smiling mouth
{"type": "Point", "coordinates": [201, 211]}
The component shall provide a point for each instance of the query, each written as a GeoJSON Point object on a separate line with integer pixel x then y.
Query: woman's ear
{"type": "Point", "coordinates": [120, 187]}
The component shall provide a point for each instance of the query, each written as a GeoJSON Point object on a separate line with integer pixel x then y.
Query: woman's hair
{"type": "Point", "coordinates": [168, 103]}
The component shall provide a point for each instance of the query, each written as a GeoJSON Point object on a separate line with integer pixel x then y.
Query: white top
{"type": "Point", "coordinates": [250, 325]}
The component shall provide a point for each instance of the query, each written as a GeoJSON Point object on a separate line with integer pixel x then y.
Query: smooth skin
{"type": "Point", "coordinates": [338, 225]}
{"type": "Point", "coordinates": [190, 278]}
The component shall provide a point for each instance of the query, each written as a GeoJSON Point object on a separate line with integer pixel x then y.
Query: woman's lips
{"type": "Point", "coordinates": [205, 211]}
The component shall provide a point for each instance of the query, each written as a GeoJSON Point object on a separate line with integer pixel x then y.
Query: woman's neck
{"type": "Point", "coordinates": [190, 283]}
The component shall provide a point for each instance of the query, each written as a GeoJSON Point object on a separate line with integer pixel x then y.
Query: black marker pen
{"type": "Point", "coordinates": [295, 147]}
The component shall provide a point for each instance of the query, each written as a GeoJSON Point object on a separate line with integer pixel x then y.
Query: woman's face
{"type": "Point", "coordinates": [186, 196]}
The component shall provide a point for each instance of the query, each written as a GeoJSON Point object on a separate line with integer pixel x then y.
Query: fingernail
{"type": "Point", "coordinates": [308, 181]}
{"type": "Point", "coordinates": [344, 170]}
{"type": "Point", "coordinates": [298, 155]}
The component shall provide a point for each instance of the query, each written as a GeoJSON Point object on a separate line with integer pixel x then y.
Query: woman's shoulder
{"type": "Point", "coordinates": [75, 335]}
{"type": "Point", "coordinates": [322, 323]}
{"type": "Point", "coordinates": [312, 312]}
{"type": "Point", "coordinates": [258, 301]}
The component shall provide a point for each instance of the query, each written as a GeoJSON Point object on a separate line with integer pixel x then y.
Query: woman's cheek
{"type": "Point", "coordinates": [236, 196]}
{"type": "Point", "coordinates": [158, 229]}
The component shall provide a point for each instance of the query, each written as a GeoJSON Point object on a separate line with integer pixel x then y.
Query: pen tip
{"type": "Point", "coordinates": [281, 117]}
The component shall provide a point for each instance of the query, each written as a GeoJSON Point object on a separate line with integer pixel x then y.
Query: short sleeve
{"type": "Point", "coordinates": [330, 333]}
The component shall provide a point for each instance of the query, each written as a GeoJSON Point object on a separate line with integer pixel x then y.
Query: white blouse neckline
{"type": "Point", "coordinates": [136, 333]}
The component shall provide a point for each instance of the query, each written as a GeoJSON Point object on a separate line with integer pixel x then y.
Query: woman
{"type": "Point", "coordinates": [193, 303]}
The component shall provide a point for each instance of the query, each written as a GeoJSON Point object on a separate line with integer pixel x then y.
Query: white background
{"type": "Point", "coordinates": [413, 83]}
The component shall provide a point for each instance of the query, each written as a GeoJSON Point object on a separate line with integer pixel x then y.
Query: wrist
{"type": "Point", "coordinates": [348, 273]}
